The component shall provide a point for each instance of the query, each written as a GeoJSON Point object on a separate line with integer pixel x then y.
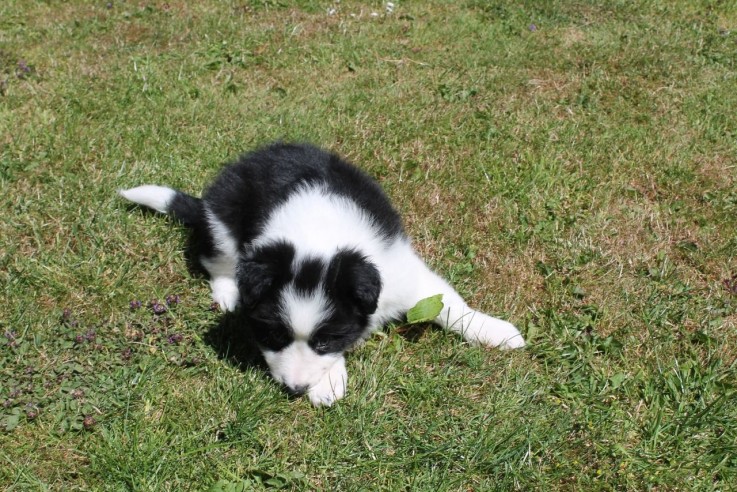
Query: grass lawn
{"type": "Point", "coordinates": [569, 165]}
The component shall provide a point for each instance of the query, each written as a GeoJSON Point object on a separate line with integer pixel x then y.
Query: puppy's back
{"type": "Point", "coordinates": [248, 191]}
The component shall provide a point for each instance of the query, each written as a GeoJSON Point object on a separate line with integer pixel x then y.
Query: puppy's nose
{"type": "Point", "coordinates": [298, 390]}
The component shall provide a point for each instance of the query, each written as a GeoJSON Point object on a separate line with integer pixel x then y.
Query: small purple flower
{"type": "Point", "coordinates": [78, 394]}
{"type": "Point", "coordinates": [12, 337]}
{"type": "Point", "coordinates": [731, 284]}
{"type": "Point", "coordinates": [532, 27]}
{"type": "Point", "coordinates": [127, 354]}
{"type": "Point", "coordinates": [7, 403]}
{"type": "Point", "coordinates": [31, 411]}
{"type": "Point", "coordinates": [79, 339]}
{"type": "Point", "coordinates": [22, 69]}
{"type": "Point", "coordinates": [109, 5]}
{"type": "Point", "coordinates": [89, 422]}
{"type": "Point", "coordinates": [172, 299]}
{"type": "Point", "coordinates": [158, 308]}
{"type": "Point", "coordinates": [136, 304]}
{"type": "Point", "coordinates": [214, 306]}
{"type": "Point", "coordinates": [175, 338]}
{"type": "Point", "coordinates": [90, 336]}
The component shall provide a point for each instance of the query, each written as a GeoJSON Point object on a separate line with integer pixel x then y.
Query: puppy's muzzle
{"type": "Point", "coordinates": [297, 390]}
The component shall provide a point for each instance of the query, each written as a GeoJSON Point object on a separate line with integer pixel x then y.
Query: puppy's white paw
{"type": "Point", "coordinates": [225, 293]}
{"type": "Point", "coordinates": [485, 330]}
{"type": "Point", "coordinates": [331, 387]}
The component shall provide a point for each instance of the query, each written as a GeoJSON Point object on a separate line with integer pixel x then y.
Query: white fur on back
{"type": "Point", "coordinates": [152, 196]}
{"type": "Point", "coordinates": [319, 223]}
{"type": "Point", "coordinates": [221, 235]}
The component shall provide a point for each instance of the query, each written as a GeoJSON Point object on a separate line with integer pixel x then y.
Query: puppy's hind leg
{"type": "Point", "coordinates": [222, 281]}
{"type": "Point", "coordinates": [214, 246]}
{"type": "Point", "coordinates": [456, 316]}
{"type": "Point", "coordinates": [221, 264]}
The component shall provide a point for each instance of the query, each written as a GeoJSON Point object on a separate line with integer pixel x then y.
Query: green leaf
{"type": "Point", "coordinates": [617, 380]}
{"type": "Point", "coordinates": [227, 486]}
{"type": "Point", "coordinates": [426, 310]}
{"type": "Point", "coordinates": [578, 291]}
{"type": "Point", "coordinates": [11, 422]}
{"type": "Point", "coordinates": [275, 482]}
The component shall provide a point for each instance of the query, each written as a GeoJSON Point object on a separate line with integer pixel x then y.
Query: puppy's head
{"type": "Point", "coordinates": [306, 312]}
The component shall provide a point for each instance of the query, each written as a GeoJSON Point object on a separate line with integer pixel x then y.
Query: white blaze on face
{"type": "Point", "coordinates": [303, 313]}
{"type": "Point", "coordinates": [297, 365]}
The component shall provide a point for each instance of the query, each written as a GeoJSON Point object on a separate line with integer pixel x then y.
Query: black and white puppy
{"type": "Point", "coordinates": [316, 257]}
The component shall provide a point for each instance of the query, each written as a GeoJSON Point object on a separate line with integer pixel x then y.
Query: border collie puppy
{"type": "Point", "coordinates": [315, 257]}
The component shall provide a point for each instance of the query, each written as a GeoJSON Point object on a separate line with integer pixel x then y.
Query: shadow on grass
{"type": "Point", "coordinates": [413, 333]}
{"type": "Point", "coordinates": [232, 342]}
{"type": "Point", "coordinates": [230, 339]}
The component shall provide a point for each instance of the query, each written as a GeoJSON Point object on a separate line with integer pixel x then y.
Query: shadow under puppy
{"type": "Point", "coordinates": [316, 258]}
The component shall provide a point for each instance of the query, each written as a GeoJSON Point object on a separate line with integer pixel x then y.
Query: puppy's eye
{"type": "Point", "coordinates": [321, 346]}
{"type": "Point", "coordinates": [323, 343]}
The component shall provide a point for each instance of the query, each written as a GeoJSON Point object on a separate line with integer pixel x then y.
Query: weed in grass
{"type": "Point", "coordinates": [70, 374]}
{"type": "Point", "coordinates": [730, 284]}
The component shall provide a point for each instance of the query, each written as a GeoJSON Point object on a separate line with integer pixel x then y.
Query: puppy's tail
{"type": "Point", "coordinates": [181, 206]}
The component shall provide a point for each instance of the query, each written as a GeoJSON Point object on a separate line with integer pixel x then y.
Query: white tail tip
{"type": "Point", "coordinates": [151, 196]}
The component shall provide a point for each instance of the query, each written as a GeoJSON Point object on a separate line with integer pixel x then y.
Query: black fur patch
{"type": "Point", "coordinates": [308, 276]}
{"type": "Point", "coordinates": [269, 333]}
{"type": "Point", "coordinates": [264, 271]}
{"type": "Point", "coordinates": [187, 209]}
{"type": "Point", "coordinates": [352, 279]}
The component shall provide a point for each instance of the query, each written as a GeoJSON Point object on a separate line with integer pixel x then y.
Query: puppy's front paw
{"type": "Point", "coordinates": [485, 330]}
{"type": "Point", "coordinates": [225, 293]}
{"type": "Point", "coordinates": [331, 387]}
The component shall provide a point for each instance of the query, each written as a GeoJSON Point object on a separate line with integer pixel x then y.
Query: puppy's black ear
{"type": "Point", "coordinates": [353, 278]}
{"type": "Point", "coordinates": [264, 270]}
